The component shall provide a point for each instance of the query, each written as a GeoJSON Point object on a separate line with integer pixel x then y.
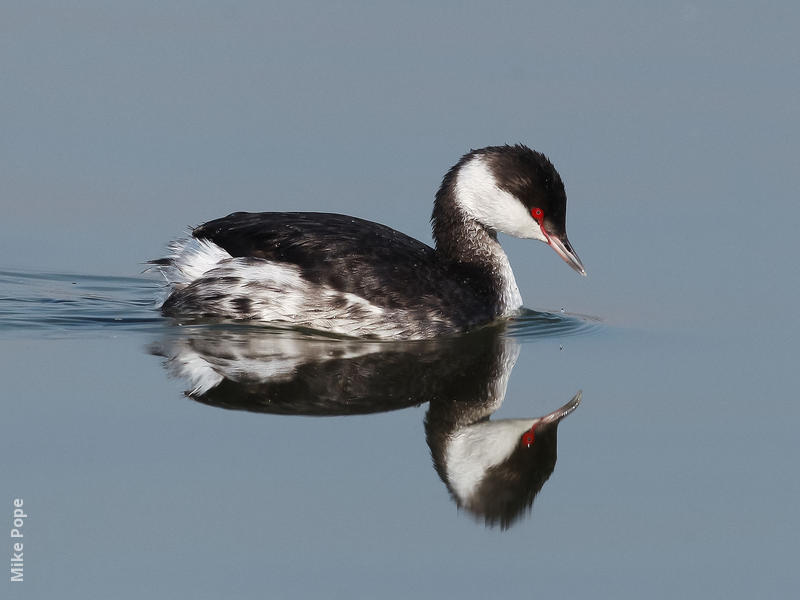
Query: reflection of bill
{"type": "Point", "coordinates": [493, 469]}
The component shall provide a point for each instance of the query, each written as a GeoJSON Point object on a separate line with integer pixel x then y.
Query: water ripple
{"type": "Point", "coordinates": [58, 304]}
{"type": "Point", "coordinates": [530, 324]}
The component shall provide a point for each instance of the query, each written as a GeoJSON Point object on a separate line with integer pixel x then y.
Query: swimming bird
{"type": "Point", "coordinates": [352, 277]}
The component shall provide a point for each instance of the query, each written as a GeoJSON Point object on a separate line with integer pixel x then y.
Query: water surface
{"type": "Point", "coordinates": [149, 446]}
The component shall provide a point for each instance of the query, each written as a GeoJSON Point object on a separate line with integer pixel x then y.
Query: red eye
{"type": "Point", "coordinates": [538, 214]}
{"type": "Point", "coordinates": [527, 439]}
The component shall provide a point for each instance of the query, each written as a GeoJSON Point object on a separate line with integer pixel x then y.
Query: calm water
{"type": "Point", "coordinates": [193, 461]}
{"type": "Point", "coordinates": [215, 459]}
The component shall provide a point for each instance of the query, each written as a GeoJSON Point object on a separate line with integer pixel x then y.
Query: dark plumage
{"type": "Point", "coordinates": [348, 275]}
{"type": "Point", "coordinates": [385, 267]}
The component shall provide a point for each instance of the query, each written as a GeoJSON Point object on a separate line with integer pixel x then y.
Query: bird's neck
{"type": "Point", "coordinates": [464, 241]}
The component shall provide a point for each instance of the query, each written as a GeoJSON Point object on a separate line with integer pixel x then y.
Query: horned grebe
{"type": "Point", "coordinates": [353, 277]}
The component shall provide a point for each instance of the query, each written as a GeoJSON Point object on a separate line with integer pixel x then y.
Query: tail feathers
{"type": "Point", "coordinates": [189, 259]}
{"type": "Point", "coordinates": [158, 262]}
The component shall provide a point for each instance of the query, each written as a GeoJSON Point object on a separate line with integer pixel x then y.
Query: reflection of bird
{"type": "Point", "coordinates": [354, 277]}
{"type": "Point", "coordinates": [288, 373]}
{"type": "Point", "coordinates": [493, 469]}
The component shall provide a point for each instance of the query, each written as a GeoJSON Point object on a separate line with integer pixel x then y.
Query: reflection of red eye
{"type": "Point", "coordinates": [538, 214]}
{"type": "Point", "coordinates": [527, 439]}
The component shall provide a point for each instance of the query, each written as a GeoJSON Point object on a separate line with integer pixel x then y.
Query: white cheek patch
{"type": "Point", "coordinates": [478, 194]}
{"type": "Point", "coordinates": [477, 448]}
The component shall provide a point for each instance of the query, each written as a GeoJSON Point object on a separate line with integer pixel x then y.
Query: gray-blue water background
{"type": "Point", "coordinates": [675, 127]}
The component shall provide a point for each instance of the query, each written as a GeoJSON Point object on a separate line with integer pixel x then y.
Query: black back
{"type": "Point", "coordinates": [375, 262]}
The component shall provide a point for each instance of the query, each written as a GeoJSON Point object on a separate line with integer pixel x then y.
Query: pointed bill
{"type": "Point", "coordinates": [564, 249]}
{"type": "Point", "coordinates": [562, 412]}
